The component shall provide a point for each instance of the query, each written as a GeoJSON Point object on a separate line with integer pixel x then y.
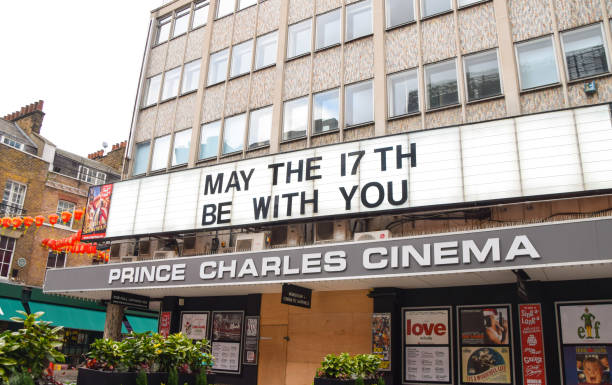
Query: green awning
{"type": "Point", "coordinates": [86, 319]}
{"type": "Point", "coordinates": [9, 307]}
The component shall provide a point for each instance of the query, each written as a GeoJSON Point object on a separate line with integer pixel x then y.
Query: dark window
{"type": "Point", "coordinates": [56, 260]}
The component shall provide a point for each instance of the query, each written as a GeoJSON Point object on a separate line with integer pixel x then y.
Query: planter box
{"type": "Point", "coordinates": [98, 377]}
{"type": "Point", "coordinates": [335, 381]}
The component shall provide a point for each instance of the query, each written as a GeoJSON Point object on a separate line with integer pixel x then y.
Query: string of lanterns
{"type": "Point", "coordinates": [39, 220]}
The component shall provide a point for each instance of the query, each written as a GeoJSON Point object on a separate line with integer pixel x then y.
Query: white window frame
{"type": "Point", "coordinates": [518, 61]}
{"type": "Point", "coordinates": [196, 7]}
{"type": "Point", "coordinates": [212, 61]}
{"type": "Point", "coordinates": [160, 22]}
{"type": "Point", "coordinates": [47, 267]}
{"type": "Point", "coordinates": [217, 16]}
{"type": "Point", "coordinates": [499, 74]}
{"type": "Point", "coordinates": [257, 50]}
{"type": "Point", "coordinates": [300, 100]}
{"type": "Point", "coordinates": [174, 144]}
{"type": "Point", "coordinates": [247, 46]}
{"type": "Point", "coordinates": [250, 145]}
{"type": "Point", "coordinates": [13, 207]}
{"type": "Point", "coordinates": [316, 30]}
{"type": "Point", "coordinates": [603, 39]}
{"type": "Point", "coordinates": [391, 95]}
{"type": "Point", "coordinates": [347, 89]}
{"type": "Point", "coordinates": [348, 8]}
{"type": "Point", "coordinates": [168, 93]}
{"type": "Point", "coordinates": [156, 146]}
{"type": "Point", "coordinates": [185, 78]}
{"type": "Point", "coordinates": [426, 90]}
{"type": "Point", "coordinates": [10, 262]}
{"type": "Point", "coordinates": [65, 206]}
{"type": "Point", "coordinates": [336, 90]}
{"type": "Point", "coordinates": [85, 174]}
{"type": "Point", "coordinates": [12, 142]}
{"type": "Point", "coordinates": [296, 25]}
{"type": "Point", "coordinates": [145, 95]}
{"type": "Point", "coordinates": [183, 12]}
{"type": "Point", "coordinates": [237, 118]}
{"type": "Point", "coordinates": [100, 177]}
{"type": "Point", "coordinates": [202, 130]}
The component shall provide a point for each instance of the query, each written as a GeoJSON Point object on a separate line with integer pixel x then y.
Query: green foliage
{"type": "Point", "coordinates": [105, 354]}
{"type": "Point", "coordinates": [138, 351]}
{"type": "Point", "coordinates": [141, 378]}
{"type": "Point", "coordinates": [29, 349]}
{"type": "Point", "coordinates": [202, 379]}
{"type": "Point", "coordinates": [343, 366]}
{"type": "Point", "coordinates": [359, 381]}
{"type": "Point", "coordinates": [21, 379]}
{"type": "Point", "coordinates": [172, 376]}
{"type": "Point", "coordinates": [381, 381]}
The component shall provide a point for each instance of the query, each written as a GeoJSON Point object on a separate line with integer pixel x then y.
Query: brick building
{"type": "Point", "coordinates": [398, 157]}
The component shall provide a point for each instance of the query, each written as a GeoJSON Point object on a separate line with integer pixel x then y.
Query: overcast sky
{"type": "Point", "coordinates": [82, 58]}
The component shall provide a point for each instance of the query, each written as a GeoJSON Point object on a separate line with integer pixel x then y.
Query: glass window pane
{"type": "Point", "coordinates": [295, 118]}
{"type": "Point", "coordinates": [246, 3]}
{"type": "Point", "coordinates": [161, 147]}
{"type": "Point", "coordinates": [209, 140]}
{"type": "Point", "coordinates": [233, 134]}
{"type": "Point", "coordinates": [432, 7]}
{"type": "Point", "coordinates": [266, 50]}
{"type": "Point", "coordinates": [200, 14]}
{"type": "Point", "coordinates": [152, 90]}
{"type": "Point", "coordinates": [217, 70]}
{"type": "Point", "coordinates": [181, 22]}
{"type": "Point", "coordinates": [241, 58]}
{"type": "Point", "coordinates": [403, 90]}
{"type": "Point", "coordinates": [358, 19]}
{"type": "Point", "coordinates": [399, 12]}
{"type": "Point", "coordinates": [359, 102]}
{"type": "Point", "coordinates": [182, 142]}
{"type": "Point", "coordinates": [328, 29]}
{"type": "Point", "coordinates": [259, 127]}
{"type": "Point", "coordinates": [191, 77]}
{"type": "Point", "coordinates": [441, 83]}
{"type": "Point", "coordinates": [225, 7]}
{"type": "Point", "coordinates": [171, 83]}
{"type": "Point", "coordinates": [463, 3]}
{"type": "Point", "coordinates": [537, 64]}
{"type": "Point", "coordinates": [141, 158]}
{"type": "Point", "coordinates": [299, 38]}
{"type": "Point", "coordinates": [585, 54]}
{"type": "Point", "coordinates": [163, 30]}
{"type": "Point", "coordinates": [325, 111]}
{"type": "Point", "coordinates": [482, 75]}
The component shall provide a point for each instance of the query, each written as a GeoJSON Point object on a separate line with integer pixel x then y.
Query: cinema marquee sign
{"type": "Point", "coordinates": [559, 152]}
{"type": "Point", "coordinates": [506, 248]}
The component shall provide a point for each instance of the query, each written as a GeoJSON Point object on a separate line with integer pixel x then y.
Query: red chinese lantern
{"type": "Point", "coordinates": [53, 219]}
{"type": "Point", "coordinates": [106, 258]}
{"type": "Point", "coordinates": [78, 214]}
{"type": "Point", "coordinates": [39, 220]}
{"type": "Point", "coordinates": [66, 216]}
{"type": "Point", "coordinates": [7, 222]}
{"type": "Point", "coordinates": [27, 222]}
{"type": "Point", "coordinates": [73, 240]}
{"type": "Point", "coordinates": [52, 244]}
{"type": "Point", "coordinates": [45, 242]}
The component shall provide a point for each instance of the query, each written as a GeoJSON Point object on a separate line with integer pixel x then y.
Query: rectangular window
{"type": "Point", "coordinates": [171, 83]}
{"type": "Point", "coordinates": [299, 40]}
{"type": "Point", "coordinates": [537, 63]}
{"type": "Point", "coordinates": [433, 7]}
{"type": "Point", "coordinates": [398, 12]}
{"type": "Point", "coordinates": [260, 125]}
{"type": "Point", "coordinates": [328, 29]}
{"type": "Point", "coordinates": [7, 247]}
{"type": "Point", "coordinates": [65, 206]}
{"type": "Point", "coordinates": [359, 103]}
{"type": "Point", "coordinates": [265, 52]}
{"type": "Point", "coordinates": [295, 118]}
{"type": "Point", "coordinates": [225, 7]}
{"type": "Point", "coordinates": [12, 199]}
{"type": "Point", "coordinates": [182, 142]}
{"type": "Point", "coordinates": [358, 19]}
{"type": "Point", "coordinates": [163, 29]}
{"type": "Point", "coordinates": [326, 111]}
{"type": "Point", "coordinates": [100, 177]}
{"type": "Point", "coordinates": [200, 14]}
{"type": "Point", "coordinates": [403, 93]}
{"type": "Point", "coordinates": [85, 174]}
{"type": "Point", "coordinates": [585, 52]}
{"type": "Point", "coordinates": [233, 134]}
{"type": "Point", "coordinates": [151, 90]}
{"type": "Point", "coordinates": [13, 143]}
{"type": "Point", "coordinates": [463, 3]}
{"type": "Point", "coordinates": [217, 70]}
{"type": "Point", "coordinates": [441, 84]}
{"type": "Point", "coordinates": [242, 4]}
{"type": "Point", "coordinates": [161, 147]}
{"type": "Point", "coordinates": [141, 158]}
{"type": "Point", "coordinates": [241, 58]}
{"type": "Point", "coordinates": [209, 140]}
{"type": "Point", "coordinates": [482, 75]}
{"type": "Point", "coordinates": [56, 260]}
{"type": "Point", "coordinates": [181, 22]}
{"type": "Point", "coordinates": [191, 76]}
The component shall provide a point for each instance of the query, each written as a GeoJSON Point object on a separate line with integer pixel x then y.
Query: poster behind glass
{"type": "Point", "coordinates": [226, 340]}
{"type": "Point", "coordinates": [194, 325]}
{"type": "Point", "coordinates": [251, 340]}
{"type": "Point", "coordinates": [381, 339]}
{"type": "Point", "coordinates": [96, 212]}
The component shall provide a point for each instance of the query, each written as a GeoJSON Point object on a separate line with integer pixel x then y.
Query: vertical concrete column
{"type": "Point", "coordinates": [507, 62]}
{"type": "Point", "coordinates": [380, 80]}
{"type": "Point", "coordinates": [114, 318]}
{"type": "Point", "coordinates": [277, 109]}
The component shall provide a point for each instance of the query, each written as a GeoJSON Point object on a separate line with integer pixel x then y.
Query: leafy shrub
{"type": "Point", "coordinates": [21, 379]}
{"type": "Point", "coordinates": [172, 376]}
{"type": "Point", "coordinates": [366, 365]}
{"type": "Point", "coordinates": [141, 378]}
{"type": "Point", "coordinates": [343, 366]}
{"type": "Point", "coordinates": [105, 354]}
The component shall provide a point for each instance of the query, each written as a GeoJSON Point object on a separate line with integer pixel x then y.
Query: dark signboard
{"type": "Point", "coordinates": [296, 296]}
{"type": "Point", "coordinates": [132, 301]}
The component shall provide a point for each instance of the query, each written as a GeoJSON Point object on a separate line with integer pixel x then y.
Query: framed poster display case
{"type": "Point", "coordinates": [226, 341]}
{"type": "Point", "coordinates": [194, 324]}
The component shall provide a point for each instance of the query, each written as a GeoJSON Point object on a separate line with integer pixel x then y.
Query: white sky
{"type": "Point", "coordinates": [82, 58]}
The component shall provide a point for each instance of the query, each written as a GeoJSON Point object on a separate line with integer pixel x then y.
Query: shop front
{"type": "Point", "coordinates": [523, 304]}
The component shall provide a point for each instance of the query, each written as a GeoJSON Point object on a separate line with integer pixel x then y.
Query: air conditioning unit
{"type": "Point", "coordinates": [295, 235]}
{"type": "Point", "coordinates": [252, 241]}
{"type": "Point", "coordinates": [164, 254]}
{"type": "Point", "coordinates": [373, 236]}
{"type": "Point", "coordinates": [128, 258]}
{"type": "Point", "coordinates": [332, 231]}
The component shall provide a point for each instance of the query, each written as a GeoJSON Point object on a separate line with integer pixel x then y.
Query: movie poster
{"type": "Point", "coordinates": [485, 326]}
{"type": "Point", "coordinates": [486, 365]}
{"type": "Point", "coordinates": [381, 339]}
{"type": "Point", "coordinates": [532, 344]}
{"type": "Point", "coordinates": [227, 326]}
{"type": "Point", "coordinates": [164, 323]}
{"type": "Point", "coordinates": [426, 327]}
{"type": "Point", "coordinates": [587, 364]}
{"type": "Point", "coordinates": [194, 325]}
{"type": "Point", "coordinates": [251, 340]}
{"type": "Point", "coordinates": [96, 212]}
{"type": "Point", "coordinates": [227, 356]}
{"type": "Point", "coordinates": [586, 323]}
{"type": "Point", "coordinates": [427, 363]}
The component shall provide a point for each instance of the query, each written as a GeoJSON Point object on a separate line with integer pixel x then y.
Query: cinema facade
{"type": "Point", "coordinates": [426, 180]}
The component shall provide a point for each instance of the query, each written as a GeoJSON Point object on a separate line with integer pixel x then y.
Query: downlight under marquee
{"type": "Point", "coordinates": [560, 152]}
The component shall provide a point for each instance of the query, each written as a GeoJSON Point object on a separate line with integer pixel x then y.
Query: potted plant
{"type": "Point", "coordinates": [343, 369]}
